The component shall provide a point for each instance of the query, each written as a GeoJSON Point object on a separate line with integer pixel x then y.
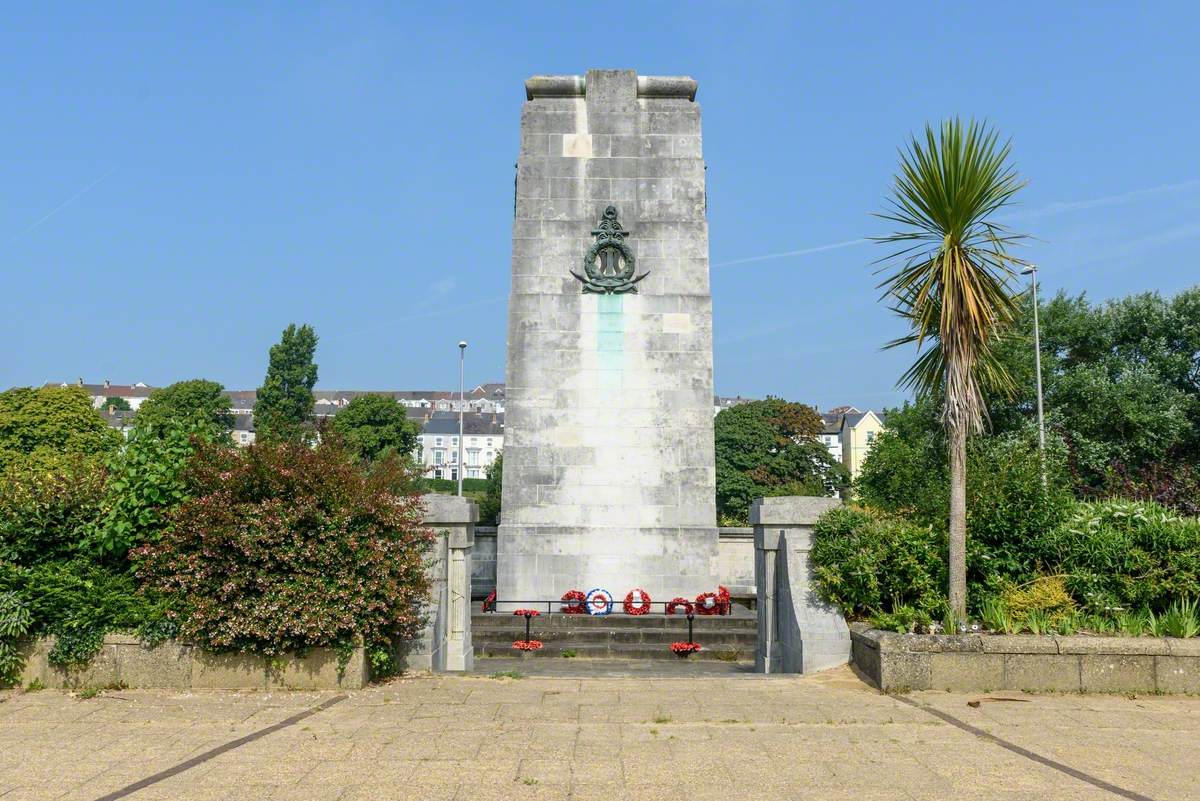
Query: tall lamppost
{"type": "Point", "coordinates": [462, 355]}
{"type": "Point", "coordinates": [1031, 271]}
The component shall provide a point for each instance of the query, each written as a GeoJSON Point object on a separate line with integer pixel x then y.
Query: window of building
{"type": "Point", "coordinates": [870, 437]}
{"type": "Point", "coordinates": [439, 457]}
{"type": "Point", "coordinates": [489, 442]}
{"type": "Point", "coordinates": [454, 441]}
{"type": "Point", "coordinates": [437, 442]}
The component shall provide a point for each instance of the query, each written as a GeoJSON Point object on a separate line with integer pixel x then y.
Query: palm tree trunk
{"type": "Point", "coordinates": [958, 522]}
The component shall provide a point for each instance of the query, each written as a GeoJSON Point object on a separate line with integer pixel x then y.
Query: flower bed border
{"type": "Point", "coordinates": [125, 661]}
{"type": "Point", "coordinates": [1050, 663]}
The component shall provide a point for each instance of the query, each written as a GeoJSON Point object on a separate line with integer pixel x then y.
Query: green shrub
{"type": "Point", "coordinates": [1125, 555]}
{"type": "Point", "coordinates": [1046, 596]}
{"type": "Point", "coordinates": [868, 562]}
{"type": "Point", "coordinates": [47, 504]}
{"type": "Point", "coordinates": [145, 485]}
{"type": "Point", "coordinates": [1181, 619]}
{"type": "Point", "coordinates": [15, 621]}
{"type": "Point", "coordinates": [283, 547]}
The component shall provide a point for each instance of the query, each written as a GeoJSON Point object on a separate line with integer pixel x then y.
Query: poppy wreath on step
{"type": "Point", "coordinates": [572, 602]}
{"type": "Point", "coordinates": [489, 603]}
{"type": "Point", "coordinates": [708, 603]}
{"type": "Point", "coordinates": [723, 597]}
{"type": "Point", "coordinates": [598, 602]}
{"type": "Point", "coordinates": [679, 603]}
{"type": "Point", "coordinates": [637, 602]}
{"type": "Point", "coordinates": [527, 645]}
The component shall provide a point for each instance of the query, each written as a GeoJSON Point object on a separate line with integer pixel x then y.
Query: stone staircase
{"type": "Point", "coordinates": [730, 638]}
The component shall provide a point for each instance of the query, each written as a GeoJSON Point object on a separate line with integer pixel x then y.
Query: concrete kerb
{"type": "Point", "coordinates": [985, 662]}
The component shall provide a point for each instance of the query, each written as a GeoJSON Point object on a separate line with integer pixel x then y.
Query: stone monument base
{"type": "Point", "coordinates": [540, 563]}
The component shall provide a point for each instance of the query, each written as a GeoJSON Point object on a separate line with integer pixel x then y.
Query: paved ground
{"type": "Point", "coordinates": [738, 737]}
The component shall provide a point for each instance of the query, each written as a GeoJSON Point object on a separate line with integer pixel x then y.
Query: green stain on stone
{"type": "Point", "coordinates": [610, 340]}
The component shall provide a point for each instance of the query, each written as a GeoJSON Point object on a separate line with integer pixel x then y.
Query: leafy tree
{"type": "Point", "coordinates": [951, 283]}
{"type": "Point", "coordinates": [52, 419]}
{"type": "Point", "coordinates": [375, 425]}
{"type": "Point", "coordinates": [144, 487]}
{"type": "Point", "coordinates": [117, 404]}
{"type": "Point", "coordinates": [285, 400]}
{"type": "Point", "coordinates": [770, 447]}
{"type": "Point", "coordinates": [196, 405]}
{"type": "Point", "coordinates": [489, 505]}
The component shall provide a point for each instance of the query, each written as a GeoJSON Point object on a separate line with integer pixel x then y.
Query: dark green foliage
{"type": "Point", "coordinates": [868, 562]}
{"type": "Point", "coordinates": [445, 486]}
{"type": "Point", "coordinates": [489, 506]}
{"type": "Point", "coordinates": [284, 547]}
{"type": "Point", "coordinates": [770, 447]}
{"type": "Point", "coordinates": [117, 404]}
{"type": "Point", "coordinates": [54, 420]}
{"type": "Point", "coordinates": [285, 400]}
{"type": "Point", "coordinates": [15, 622]}
{"type": "Point", "coordinates": [198, 405]}
{"type": "Point", "coordinates": [373, 426]}
{"type": "Point", "coordinates": [1007, 507]}
{"type": "Point", "coordinates": [1127, 555]}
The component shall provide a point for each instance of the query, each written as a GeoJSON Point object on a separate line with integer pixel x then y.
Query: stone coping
{"type": "Point", "coordinates": [125, 661]}
{"type": "Point", "coordinates": [1034, 663]}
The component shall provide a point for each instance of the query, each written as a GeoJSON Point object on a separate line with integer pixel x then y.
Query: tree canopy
{"type": "Point", "coordinates": [285, 400]}
{"type": "Point", "coordinates": [770, 447]}
{"type": "Point", "coordinates": [197, 405]}
{"type": "Point", "coordinates": [52, 420]}
{"type": "Point", "coordinates": [375, 425]}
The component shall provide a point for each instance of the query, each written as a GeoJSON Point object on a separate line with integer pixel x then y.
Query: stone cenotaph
{"type": "Point", "coordinates": [608, 443]}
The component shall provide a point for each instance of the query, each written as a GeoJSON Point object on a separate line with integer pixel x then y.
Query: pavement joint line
{"type": "Point", "coordinates": [1025, 752]}
{"type": "Point", "coordinates": [212, 753]}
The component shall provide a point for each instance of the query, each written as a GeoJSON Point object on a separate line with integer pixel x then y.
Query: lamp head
{"type": "Point", "coordinates": [462, 344]}
{"type": "Point", "coordinates": [1030, 270]}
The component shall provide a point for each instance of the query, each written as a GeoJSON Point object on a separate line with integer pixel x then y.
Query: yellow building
{"type": "Point", "coordinates": [849, 434]}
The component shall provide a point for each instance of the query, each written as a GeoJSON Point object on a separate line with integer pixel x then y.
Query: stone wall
{"type": "Point", "coordinates": [125, 661]}
{"type": "Point", "coordinates": [986, 662]}
{"type": "Point", "coordinates": [609, 471]}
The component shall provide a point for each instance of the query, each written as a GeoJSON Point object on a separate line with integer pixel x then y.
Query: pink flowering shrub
{"type": "Point", "coordinates": [285, 547]}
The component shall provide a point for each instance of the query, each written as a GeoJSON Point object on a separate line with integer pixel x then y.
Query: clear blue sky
{"type": "Point", "coordinates": [177, 185]}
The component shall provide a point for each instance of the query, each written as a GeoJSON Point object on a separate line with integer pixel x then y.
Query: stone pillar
{"type": "Point", "coordinates": [797, 632]}
{"type": "Point", "coordinates": [445, 644]}
{"type": "Point", "coordinates": [609, 473]}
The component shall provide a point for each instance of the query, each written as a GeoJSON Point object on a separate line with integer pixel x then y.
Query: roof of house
{"type": "Point", "coordinates": [118, 418]}
{"type": "Point", "coordinates": [831, 423]}
{"type": "Point", "coordinates": [109, 390]}
{"type": "Point", "coordinates": [446, 423]}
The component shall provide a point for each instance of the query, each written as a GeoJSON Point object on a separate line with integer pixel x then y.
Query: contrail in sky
{"type": "Point", "coordinates": [64, 204]}
{"type": "Point", "coordinates": [1057, 207]}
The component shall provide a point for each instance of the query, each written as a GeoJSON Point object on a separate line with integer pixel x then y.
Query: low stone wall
{"type": "Point", "coordinates": [1050, 663]}
{"type": "Point", "coordinates": [125, 661]}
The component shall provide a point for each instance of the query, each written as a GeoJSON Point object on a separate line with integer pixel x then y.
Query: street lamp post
{"type": "Point", "coordinates": [462, 355]}
{"type": "Point", "coordinates": [1031, 271]}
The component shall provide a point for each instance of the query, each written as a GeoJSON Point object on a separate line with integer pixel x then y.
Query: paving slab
{"type": "Point", "coordinates": [577, 735]}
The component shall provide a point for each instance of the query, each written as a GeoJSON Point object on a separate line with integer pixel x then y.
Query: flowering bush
{"type": "Point", "coordinates": [685, 648]}
{"type": "Point", "coordinates": [283, 547]}
{"type": "Point", "coordinates": [572, 602]}
{"type": "Point", "coordinates": [679, 603]}
{"type": "Point", "coordinates": [527, 645]}
{"type": "Point", "coordinates": [637, 602]}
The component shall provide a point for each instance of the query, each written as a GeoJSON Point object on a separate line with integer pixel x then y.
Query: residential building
{"type": "Point", "coordinates": [849, 434]}
{"type": "Point", "coordinates": [133, 394]}
{"type": "Point", "coordinates": [120, 419]}
{"type": "Point", "coordinates": [243, 429]}
{"type": "Point", "coordinates": [483, 440]}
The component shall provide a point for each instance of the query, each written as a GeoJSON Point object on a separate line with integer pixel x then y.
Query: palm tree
{"type": "Point", "coordinates": [950, 280]}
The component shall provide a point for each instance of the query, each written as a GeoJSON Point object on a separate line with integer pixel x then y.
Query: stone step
{"type": "Point", "coordinates": [582, 636]}
{"type": "Point", "coordinates": [616, 651]}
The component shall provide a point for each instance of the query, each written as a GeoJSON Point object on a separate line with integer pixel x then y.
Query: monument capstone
{"type": "Point", "coordinates": [608, 444]}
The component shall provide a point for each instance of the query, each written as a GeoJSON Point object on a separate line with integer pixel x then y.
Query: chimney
{"type": "Point", "coordinates": [79, 381]}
